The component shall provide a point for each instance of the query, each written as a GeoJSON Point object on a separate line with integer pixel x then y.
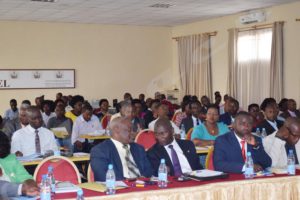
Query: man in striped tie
{"type": "Point", "coordinates": [129, 160]}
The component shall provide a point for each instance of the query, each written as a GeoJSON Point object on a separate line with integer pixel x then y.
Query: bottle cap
{"type": "Point", "coordinates": [110, 166]}
{"type": "Point", "coordinates": [291, 151]}
{"type": "Point", "coordinates": [79, 192]}
{"type": "Point", "coordinates": [162, 161]}
{"type": "Point", "coordinates": [248, 153]}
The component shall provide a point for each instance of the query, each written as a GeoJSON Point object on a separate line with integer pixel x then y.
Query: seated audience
{"type": "Point", "coordinates": [163, 113]}
{"type": "Point", "coordinates": [84, 124]}
{"type": "Point", "coordinates": [183, 113]}
{"type": "Point", "coordinates": [143, 102]}
{"type": "Point", "coordinates": [291, 110]}
{"type": "Point", "coordinates": [218, 99]}
{"type": "Point", "coordinates": [256, 114]}
{"type": "Point", "coordinates": [47, 108]}
{"type": "Point", "coordinates": [38, 101]}
{"type": "Point", "coordinates": [9, 190]}
{"type": "Point", "coordinates": [26, 102]}
{"type": "Point", "coordinates": [61, 121]}
{"type": "Point", "coordinates": [129, 160]}
{"type": "Point", "coordinates": [205, 101]}
{"type": "Point", "coordinates": [59, 95]}
{"type": "Point", "coordinates": [103, 109]}
{"type": "Point", "coordinates": [125, 110]}
{"type": "Point", "coordinates": [180, 155]}
{"type": "Point", "coordinates": [232, 109]}
{"type": "Point", "coordinates": [11, 126]}
{"type": "Point", "coordinates": [192, 120]}
{"type": "Point", "coordinates": [151, 113]}
{"type": "Point", "coordinates": [230, 149]}
{"type": "Point", "coordinates": [270, 123]}
{"type": "Point", "coordinates": [12, 170]}
{"type": "Point", "coordinates": [33, 138]}
{"type": "Point", "coordinates": [76, 103]}
{"type": "Point", "coordinates": [206, 133]}
{"type": "Point", "coordinates": [137, 122]}
{"type": "Point", "coordinates": [138, 108]}
{"type": "Point", "coordinates": [278, 144]}
{"type": "Point", "coordinates": [13, 112]}
{"type": "Point", "coordinates": [163, 100]}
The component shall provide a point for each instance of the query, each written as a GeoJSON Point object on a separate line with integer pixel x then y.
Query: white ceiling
{"type": "Point", "coordinates": [128, 12]}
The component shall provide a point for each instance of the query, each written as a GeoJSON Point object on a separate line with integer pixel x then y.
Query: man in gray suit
{"type": "Point", "coordinates": [8, 190]}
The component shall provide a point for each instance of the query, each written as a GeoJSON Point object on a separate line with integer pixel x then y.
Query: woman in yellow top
{"type": "Point", "coordinates": [76, 103]}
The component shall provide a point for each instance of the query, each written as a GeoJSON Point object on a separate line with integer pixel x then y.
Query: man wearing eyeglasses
{"type": "Point", "coordinates": [278, 144]}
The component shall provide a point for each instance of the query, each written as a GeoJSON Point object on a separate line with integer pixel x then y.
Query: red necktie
{"type": "Point", "coordinates": [243, 149]}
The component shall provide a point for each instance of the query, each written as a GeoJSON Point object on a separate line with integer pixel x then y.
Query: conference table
{"type": "Point", "coordinates": [75, 159]}
{"type": "Point", "coordinates": [235, 187]}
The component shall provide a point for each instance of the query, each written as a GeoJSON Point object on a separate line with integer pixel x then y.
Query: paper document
{"type": "Point", "coordinates": [202, 148]}
{"type": "Point", "coordinates": [205, 173]}
{"type": "Point", "coordinates": [32, 157]}
{"type": "Point", "coordinates": [64, 187]}
{"type": "Point", "coordinates": [97, 133]}
{"type": "Point", "coordinates": [101, 187]}
{"type": "Point", "coordinates": [60, 132]}
{"type": "Point", "coordinates": [80, 154]}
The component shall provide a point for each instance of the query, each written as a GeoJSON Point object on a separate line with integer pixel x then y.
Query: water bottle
{"type": "Point", "coordinates": [291, 163]}
{"type": "Point", "coordinates": [45, 193]}
{"type": "Point", "coordinates": [263, 133]}
{"type": "Point", "coordinates": [51, 178]}
{"type": "Point", "coordinates": [110, 180]}
{"type": "Point", "coordinates": [249, 170]}
{"type": "Point", "coordinates": [80, 195]}
{"type": "Point", "coordinates": [182, 132]}
{"type": "Point", "coordinates": [257, 132]}
{"type": "Point", "coordinates": [162, 174]}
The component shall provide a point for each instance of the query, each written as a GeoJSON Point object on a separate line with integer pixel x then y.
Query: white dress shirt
{"type": "Point", "coordinates": [293, 114]}
{"type": "Point", "coordinates": [10, 114]}
{"type": "Point", "coordinates": [81, 127]}
{"type": "Point", "coordinates": [239, 141]}
{"type": "Point", "coordinates": [184, 164]}
{"type": "Point", "coordinates": [275, 148]}
{"type": "Point", "coordinates": [47, 117]}
{"type": "Point", "coordinates": [122, 154]}
{"type": "Point", "coordinates": [23, 140]}
{"type": "Point", "coordinates": [176, 129]}
{"type": "Point", "coordinates": [273, 124]}
{"type": "Point", "coordinates": [195, 121]}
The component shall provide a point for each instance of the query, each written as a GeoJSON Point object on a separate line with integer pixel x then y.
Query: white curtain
{"type": "Point", "coordinates": [253, 71]}
{"type": "Point", "coordinates": [195, 65]}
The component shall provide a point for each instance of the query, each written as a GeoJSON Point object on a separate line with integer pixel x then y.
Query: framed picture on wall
{"type": "Point", "coordinates": [37, 78]}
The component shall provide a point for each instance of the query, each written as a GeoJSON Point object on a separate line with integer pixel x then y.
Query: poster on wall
{"type": "Point", "coordinates": [37, 78]}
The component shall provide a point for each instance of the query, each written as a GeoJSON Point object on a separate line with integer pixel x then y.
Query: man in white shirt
{"type": "Point", "coordinates": [163, 111]}
{"type": "Point", "coordinates": [13, 112]}
{"type": "Point", "coordinates": [33, 138]}
{"type": "Point", "coordinates": [278, 144]}
{"type": "Point", "coordinates": [180, 155]}
{"type": "Point", "coordinates": [125, 110]}
{"type": "Point", "coordinates": [84, 124]}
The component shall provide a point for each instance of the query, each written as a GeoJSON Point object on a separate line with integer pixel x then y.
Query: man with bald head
{"type": "Point", "coordinates": [278, 144]}
{"type": "Point", "coordinates": [129, 160]}
{"type": "Point", "coordinates": [180, 155]}
{"type": "Point", "coordinates": [230, 149]}
{"type": "Point", "coordinates": [33, 138]}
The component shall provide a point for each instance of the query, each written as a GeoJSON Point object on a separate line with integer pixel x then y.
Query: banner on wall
{"type": "Point", "coordinates": [37, 78]}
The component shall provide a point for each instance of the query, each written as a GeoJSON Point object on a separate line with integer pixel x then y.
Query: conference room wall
{"type": "Point", "coordinates": [286, 12]}
{"type": "Point", "coordinates": [109, 60]}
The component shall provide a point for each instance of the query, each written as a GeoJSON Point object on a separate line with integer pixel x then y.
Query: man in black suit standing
{"type": "Point", "coordinates": [180, 155]}
{"type": "Point", "coordinates": [193, 120]}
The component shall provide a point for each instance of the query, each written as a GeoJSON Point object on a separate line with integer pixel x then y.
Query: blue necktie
{"type": "Point", "coordinates": [176, 163]}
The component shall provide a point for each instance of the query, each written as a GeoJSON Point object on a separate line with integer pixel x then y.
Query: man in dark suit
{"type": "Point", "coordinates": [270, 123]}
{"type": "Point", "coordinates": [180, 155]}
{"type": "Point", "coordinates": [230, 150]}
{"type": "Point", "coordinates": [232, 109]}
{"type": "Point", "coordinates": [291, 110]}
{"type": "Point", "coordinates": [129, 160]}
{"type": "Point", "coordinates": [151, 114]}
{"type": "Point", "coordinates": [193, 120]}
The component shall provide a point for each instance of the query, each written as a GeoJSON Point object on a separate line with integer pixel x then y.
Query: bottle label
{"type": "Point", "coordinates": [110, 184]}
{"type": "Point", "coordinates": [249, 171]}
{"type": "Point", "coordinates": [162, 176]}
{"type": "Point", "coordinates": [45, 193]}
{"type": "Point", "coordinates": [291, 169]}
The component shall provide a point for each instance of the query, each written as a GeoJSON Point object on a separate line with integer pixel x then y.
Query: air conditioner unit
{"type": "Point", "coordinates": [253, 18]}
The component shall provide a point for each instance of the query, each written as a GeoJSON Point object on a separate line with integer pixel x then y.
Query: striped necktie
{"type": "Point", "coordinates": [132, 168]}
{"type": "Point", "coordinates": [37, 142]}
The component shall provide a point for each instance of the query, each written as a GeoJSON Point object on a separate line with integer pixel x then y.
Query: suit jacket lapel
{"type": "Point", "coordinates": [116, 158]}
{"type": "Point", "coordinates": [236, 145]}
